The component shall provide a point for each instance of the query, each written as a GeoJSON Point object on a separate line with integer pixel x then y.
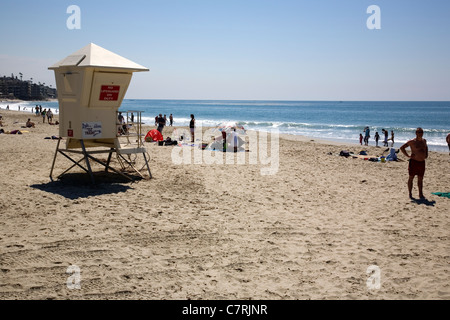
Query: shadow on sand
{"type": "Point", "coordinates": [423, 201]}
{"type": "Point", "coordinates": [79, 185]}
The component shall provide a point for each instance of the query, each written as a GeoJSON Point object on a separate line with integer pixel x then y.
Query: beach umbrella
{"type": "Point", "coordinates": [226, 129]}
{"type": "Point", "coordinates": [230, 126]}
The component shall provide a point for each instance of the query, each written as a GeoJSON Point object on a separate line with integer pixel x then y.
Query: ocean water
{"type": "Point", "coordinates": [331, 120]}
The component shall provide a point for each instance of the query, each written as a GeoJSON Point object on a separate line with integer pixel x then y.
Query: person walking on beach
{"type": "Point", "coordinates": [360, 138]}
{"type": "Point", "coordinates": [385, 142]}
{"type": "Point", "coordinates": [171, 120]}
{"type": "Point", "coordinates": [49, 116]}
{"type": "Point", "coordinates": [367, 136]}
{"type": "Point", "coordinates": [392, 138]}
{"type": "Point", "coordinates": [43, 114]}
{"type": "Point", "coordinates": [377, 137]}
{"type": "Point", "coordinates": [419, 152]}
{"type": "Point", "coordinates": [161, 123]}
{"type": "Point", "coordinates": [192, 127]}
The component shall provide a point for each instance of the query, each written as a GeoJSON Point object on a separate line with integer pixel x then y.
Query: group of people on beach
{"type": "Point", "coordinates": [366, 137]}
{"type": "Point", "coordinates": [44, 113]}
{"type": "Point", "coordinates": [161, 122]}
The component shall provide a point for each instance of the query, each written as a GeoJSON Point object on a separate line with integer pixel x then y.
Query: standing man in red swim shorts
{"type": "Point", "coordinates": [448, 142]}
{"type": "Point", "coordinates": [419, 152]}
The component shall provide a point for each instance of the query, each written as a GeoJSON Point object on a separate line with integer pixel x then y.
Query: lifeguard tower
{"type": "Point", "coordinates": [91, 84]}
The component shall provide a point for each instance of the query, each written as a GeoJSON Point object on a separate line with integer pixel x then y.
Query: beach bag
{"type": "Point", "coordinates": [344, 153]}
{"type": "Point", "coordinates": [170, 142]}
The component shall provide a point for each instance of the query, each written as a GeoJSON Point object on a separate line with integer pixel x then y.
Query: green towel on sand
{"type": "Point", "coordinates": [442, 194]}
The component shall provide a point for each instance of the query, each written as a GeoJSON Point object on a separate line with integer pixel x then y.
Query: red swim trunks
{"type": "Point", "coordinates": [416, 168]}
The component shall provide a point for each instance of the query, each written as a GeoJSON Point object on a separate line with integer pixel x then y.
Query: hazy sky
{"type": "Point", "coordinates": [244, 49]}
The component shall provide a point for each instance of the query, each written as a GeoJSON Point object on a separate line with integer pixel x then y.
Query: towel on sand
{"type": "Point", "coordinates": [442, 194]}
{"type": "Point", "coordinates": [392, 155]}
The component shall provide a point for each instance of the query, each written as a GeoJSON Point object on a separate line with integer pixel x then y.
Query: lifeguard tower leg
{"type": "Point", "coordinates": [75, 164]}
{"type": "Point", "coordinates": [148, 168]}
{"type": "Point", "coordinates": [109, 159]}
{"type": "Point", "coordinates": [87, 161]}
{"type": "Point", "coordinates": [104, 164]}
{"type": "Point", "coordinates": [54, 159]}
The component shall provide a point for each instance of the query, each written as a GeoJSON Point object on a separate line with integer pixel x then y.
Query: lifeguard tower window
{"type": "Point", "coordinates": [73, 60]}
{"type": "Point", "coordinates": [71, 82]}
{"type": "Point", "coordinates": [108, 89]}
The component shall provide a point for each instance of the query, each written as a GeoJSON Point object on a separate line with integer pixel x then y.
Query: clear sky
{"type": "Point", "coordinates": [244, 49]}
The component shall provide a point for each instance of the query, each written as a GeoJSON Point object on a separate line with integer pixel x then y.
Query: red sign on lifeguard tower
{"type": "Point", "coordinates": [109, 93]}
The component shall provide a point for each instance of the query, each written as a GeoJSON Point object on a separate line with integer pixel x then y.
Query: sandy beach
{"type": "Point", "coordinates": [199, 231]}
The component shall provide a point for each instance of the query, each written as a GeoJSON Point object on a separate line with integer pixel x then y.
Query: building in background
{"type": "Point", "coordinates": [15, 88]}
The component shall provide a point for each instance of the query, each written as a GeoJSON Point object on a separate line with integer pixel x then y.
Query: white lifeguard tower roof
{"type": "Point", "coordinates": [93, 55]}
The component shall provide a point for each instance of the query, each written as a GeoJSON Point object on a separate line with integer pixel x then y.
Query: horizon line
{"type": "Point", "coordinates": [286, 100]}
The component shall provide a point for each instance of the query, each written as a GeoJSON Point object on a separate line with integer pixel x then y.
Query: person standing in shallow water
{"type": "Point", "coordinates": [367, 136]}
{"type": "Point", "coordinates": [392, 138]}
{"type": "Point", "coordinates": [385, 142]}
{"type": "Point", "coordinates": [419, 152]}
{"type": "Point", "coordinates": [377, 137]}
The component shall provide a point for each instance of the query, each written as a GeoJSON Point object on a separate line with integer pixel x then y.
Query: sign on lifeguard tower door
{"type": "Point", "coordinates": [92, 130]}
{"type": "Point", "coordinates": [109, 93]}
